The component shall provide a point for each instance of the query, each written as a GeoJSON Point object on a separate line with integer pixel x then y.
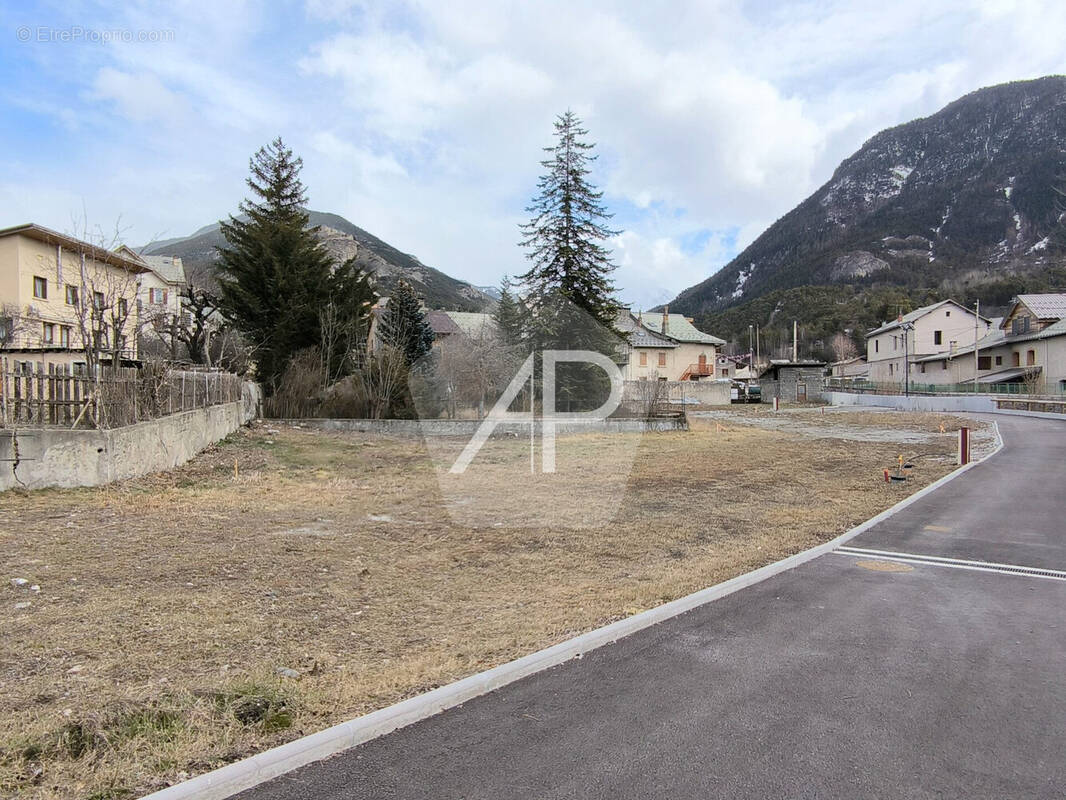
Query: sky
{"type": "Point", "coordinates": [423, 121]}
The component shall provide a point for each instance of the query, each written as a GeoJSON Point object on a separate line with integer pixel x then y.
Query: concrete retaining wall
{"type": "Point", "coordinates": [57, 457]}
{"type": "Point", "coordinates": [913, 402]}
{"type": "Point", "coordinates": [467, 427]}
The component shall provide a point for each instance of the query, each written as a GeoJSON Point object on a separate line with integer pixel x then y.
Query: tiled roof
{"type": "Point", "coordinates": [1045, 306]}
{"type": "Point", "coordinates": [678, 328]}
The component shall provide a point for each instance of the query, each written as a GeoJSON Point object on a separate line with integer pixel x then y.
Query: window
{"type": "Point", "coordinates": [48, 333]}
{"type": "Point", "coordinates": [123, 308]}
{"type": "Point", "coordinates": [72, 295]}
{"type": "Point", "coordinates": [923, 368]}
{"type": "Point", "coordinates": [40, 288]}
{"type": "Point", "coordinates": [984, 362]}
{"type": "Point", "coordinates": [1020, 325]}
{"type": "Point", "coordinates": [943, 365]}
{"type": "Point", "coordinates": [644, 359]}
{"type": "Point", "coordinates": [891, 369]}
{"type": "Point", "coordinates": [876, 343]}
{"type": "Point", "coordinates": [895, 343]}
{"type": "Point", "coordinates": [662, 359]}
{"type": "Point", "coordinates": [157, 297]}
{"type": "Point", "coordinates": [98, 300]}
{"type": "Point", "coordinates": [947, 313]}
{"type": "Point", "coordinates": [1030, 358]}
{"type": "Point", "coordinates": [999, 361]}
{"type": "Point", "coordinates": [64, 335]}
{"type": "Point", "coordinates": [1016, 359]}
{"type": "Point", "coordinates": [938, 337]}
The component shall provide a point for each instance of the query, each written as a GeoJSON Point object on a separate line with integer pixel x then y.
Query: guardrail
{"type": "Point", "coordinates": [1008, 389]}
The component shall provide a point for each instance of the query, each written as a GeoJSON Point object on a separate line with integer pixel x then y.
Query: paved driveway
{"type": "Point", "coordinates": [850, 676]}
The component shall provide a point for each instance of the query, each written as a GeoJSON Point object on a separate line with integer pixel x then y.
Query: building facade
{"type": "Point", "coordinates": [941, 328]}
{"type": "Point", "coordinates": [667, 346]}
{"type": "Point", "coordinates": [60, 296]}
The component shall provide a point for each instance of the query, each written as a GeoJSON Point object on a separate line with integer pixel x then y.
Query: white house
{"type": "Point", "coordinates": [940, 328]}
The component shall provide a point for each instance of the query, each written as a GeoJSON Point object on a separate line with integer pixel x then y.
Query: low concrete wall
{"type": "Point", "coordinates": [951, 402]}
{"type": "Point", "coordinates": [467, 427]}
{"type": "Point", "coordinates": [57, 457]}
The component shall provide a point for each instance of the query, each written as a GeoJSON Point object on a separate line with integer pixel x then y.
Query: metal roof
{"type": "Point", "coordinates": [1005, 375]}
{"type": "Point", "coordinates": [169, 268]}
{"type": "Point", "coordinates": [1045, 306]}
{"type": "Point", "coordinates": [678, 328]}
{"type": "Point", "coordinates": [472, 323]}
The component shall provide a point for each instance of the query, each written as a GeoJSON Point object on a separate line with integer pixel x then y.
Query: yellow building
{"type": "Point", "coordinates": [56, 292]}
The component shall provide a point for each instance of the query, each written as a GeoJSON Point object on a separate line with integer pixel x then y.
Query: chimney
{"type": "Point", "coordinates": [666, 319]}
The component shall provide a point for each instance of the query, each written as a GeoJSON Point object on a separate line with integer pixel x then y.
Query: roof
{"type": "Point", "coordinates": [473, 323]}
{"type": "Point", "coordinates": [169, 268]}
{"type": "Point", "coordinates": [639, 335]}
{"type": "Point", "coordinates": [47, 235]}
{"type": "Point", "coordinates": [678, 328]}
{"type": "Point", "coordinates": [1044, 306]}
{"type": "Point", "coordinates": [918, 313]}
{"type": "Point", "coordinates": [1005, 375]}
{"type": "Point", "coordinates": [441, 323]}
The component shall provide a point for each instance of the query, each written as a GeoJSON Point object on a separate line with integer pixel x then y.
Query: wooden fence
{"type": "Point", "coordinates": [118, 396]}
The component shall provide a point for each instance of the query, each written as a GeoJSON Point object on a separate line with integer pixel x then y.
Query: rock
{"type": "Point", "coordinates": [35, 588]}
{"type": "Point", "coordinates": [20, 606]}
{"type": "Point", "coordinates": [285, 672]}
{"type": "Point", "coordinates": [379, 518]}
{"type": "Point", "coordinates": [19, 582]}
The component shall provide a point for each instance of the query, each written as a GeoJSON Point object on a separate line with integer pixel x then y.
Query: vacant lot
{"type": "Point", "coordinates": [289, 579]}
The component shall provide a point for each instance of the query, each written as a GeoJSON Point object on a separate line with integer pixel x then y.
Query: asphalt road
{"type": "Point", "coordinates": [832, 680]}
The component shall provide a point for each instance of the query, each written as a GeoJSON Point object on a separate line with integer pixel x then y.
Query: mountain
{"type": "Point", "coordinates": [962, 203]}
{"type": "Point", "coordinates": [344, 240]}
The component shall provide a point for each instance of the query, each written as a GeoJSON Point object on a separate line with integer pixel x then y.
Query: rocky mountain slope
{"type": "Point", "coordinates": [962, 202]}
{"type": "Point", "coordinates": [345, 240]}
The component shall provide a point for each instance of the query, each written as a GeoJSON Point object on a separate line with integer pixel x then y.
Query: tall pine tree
{"type": "Point", "coordinates": [404, 325]}
{"type": "Point", "coordinates": [508, 314]}
{"type": "Point", "coordinates": [567, 229]}
{"type": "Point", "coordinates": [568, 300]}
{"type": "Point", "coordinates": [275, 278]}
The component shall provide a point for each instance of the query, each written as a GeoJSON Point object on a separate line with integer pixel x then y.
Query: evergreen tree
{"type": "Point", "coordinates": [508, 314]}
{"type": "Point", "coordinates": [275, 277]}
{"type": "Point", "coordinates": [568, 225]}
{"type": "Point", "coordinates": [569, 303]}
{"type": "Point", "coordinates": [344, 322]}
{"type": "Point", "coordinates": [404, 325]}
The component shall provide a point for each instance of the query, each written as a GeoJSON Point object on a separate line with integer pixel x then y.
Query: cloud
{"type": "Point", "coordinates": [423, 122]}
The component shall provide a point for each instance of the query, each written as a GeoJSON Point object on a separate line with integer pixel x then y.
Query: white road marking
{"type": "Point", "coordinates": [954, 563]}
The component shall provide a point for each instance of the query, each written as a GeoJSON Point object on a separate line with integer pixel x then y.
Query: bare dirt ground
{"type": "Point", "coordinates": [857, 424]}
{"type": "Point", "coordinates": [286, 580]}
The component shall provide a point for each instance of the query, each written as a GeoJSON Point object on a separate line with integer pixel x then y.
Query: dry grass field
{"type": "Point", "coordinates": [286, 580]}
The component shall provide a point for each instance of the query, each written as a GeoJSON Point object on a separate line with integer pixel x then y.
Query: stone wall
{"type": "Point", "coordinates": [467, 427]}
{"type": "Point", "coordinates": [37, 458]}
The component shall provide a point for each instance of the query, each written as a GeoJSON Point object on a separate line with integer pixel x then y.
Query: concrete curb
{"type": "Point", "coordinates": [233, 778]}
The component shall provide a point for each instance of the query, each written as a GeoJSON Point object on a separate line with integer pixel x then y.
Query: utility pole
{"type": "Point", "coordinates": [976, 328]}
{"type": "Point", "coordinates": [751, 350]}
{"type": "Point", "coordinates": [758, 353]}
{"type": "Point", "coordinates": [795, 342]}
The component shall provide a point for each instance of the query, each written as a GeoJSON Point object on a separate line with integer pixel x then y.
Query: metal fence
{"type": "Point", "coordinates": [995, 389]}
{"type": "Point", "coordinates": [56, 395]}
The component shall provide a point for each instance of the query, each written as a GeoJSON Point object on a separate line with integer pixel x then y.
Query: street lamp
{"type": "Point", "coordinates": [906, 327]}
